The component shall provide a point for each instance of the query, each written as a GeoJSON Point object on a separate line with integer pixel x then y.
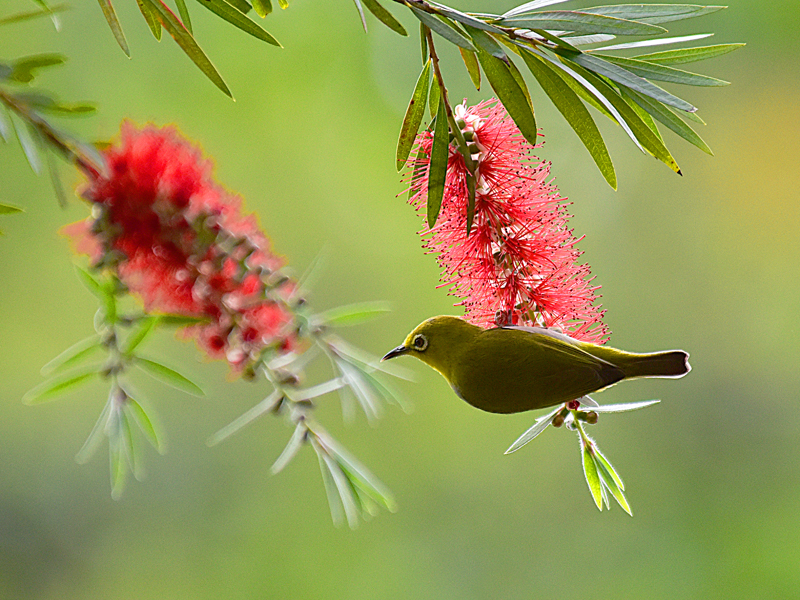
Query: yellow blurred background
{"type": "Point", "coordinates": [707, 262]}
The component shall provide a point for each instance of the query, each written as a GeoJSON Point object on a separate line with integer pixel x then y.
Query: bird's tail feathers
{"type": "Point", "coordinates": [672, 363]}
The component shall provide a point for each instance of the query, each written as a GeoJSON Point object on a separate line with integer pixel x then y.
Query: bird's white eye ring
{"type": "Point", "coordinates": [420, 342]}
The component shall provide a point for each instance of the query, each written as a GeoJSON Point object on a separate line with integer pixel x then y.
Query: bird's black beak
{"type": "Point", "coordinates": [400, 350]}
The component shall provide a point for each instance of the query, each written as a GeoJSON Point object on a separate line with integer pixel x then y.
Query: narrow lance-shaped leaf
{"type": "Point", "coordinates": [688, 55]}
{"type": "Point", "coordinates": [384, 16]}
{"type": "Point", "coordinates": [262, 7]}
{"type": "Point", "coordinates": [576, 114]}
{"type": "Point", "coordinates": [188, 44]}
{"type": "Point", "coordinates": [73, 355]}
{"type": "Point", "coordinates": [292, 448]}
{"type": "Point", "coordinates": [91, 283]}
{"type": "Point", "coordinates": [530, 6]}
{"type": "Point", "coordinates": [581, 22]}
{"type": "Point", "coordinates": [50, 390]}
{"type": "Point", "coordinates": [628, 79]}
{"type": "Point", "coordinates": [615, 408]}
{"type": "Point", "coordinates": [143, 421]}
{"type": "Point", "coordinates": [360, 10]}
{"type": "Point", "coordinates": [50, 11]}
{"type": "Point", "coordinates": [510, 94]}
{"type": "Point", "coordinates": [91, 443]}
{"type": "Point", "coordinates": [23, 70]}
{"type": "Point", "coordinates": [423, 41]}
{"type": "Point", "coordinates": [151, 18]}
{"type": "Point", "coordinates": [657, 42]}
{"type": "Point", "coordinates": [592, 478]}
{"type": "Point", "coordinates": [438, 165]}
{"type": "Point", "coordinates": [352, 314]}
{"type": "Point", "coordinates": [238, 20]}
{"type": "Point", "coordinates": [5, 124]}
{"type": "Point", "coordinates": [539, 426]}
{"type": "Point", "coordinates": [266, 405]}
{"type": "Point", "coordinates": [609, 482]}
{"type": "Point", "coordinates": [113, 22]}
{"type": "Point", "coordinates": [653, 13]}
{"type": "Point", "coordinates": [7, 209]}
{"type": "Point", "coordinates": [486, 42]}
{"type": "Point", "coordinates": [446, 31]}
{"type": "Point", "coordinates": [670, 119]}
{"type": "Point", "coordinates": [658, 72]}
{"type": "Point", "coordinates": [465, 19]}
{"type": "Point", "coordinates": [643, 133]}
{"type": "Point", "coordinates": [184, 13]}
{"type": "Point", "coordinates": [473, 68]}
{"type": "Point", "coordinates": [26, 137]}
{"type": "Point", "coordinates": [168, 376]}
{"type": "Point", "coordinates": [642, 114]}
{"type": "Point", "coordinates": [414, 114]}
{"type": "Point", "coordinates": [334, 501]}
{"type": "Point", "coordinates": [433, 98]}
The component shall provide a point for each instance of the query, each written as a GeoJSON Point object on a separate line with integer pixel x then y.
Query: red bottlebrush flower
{"type": "Point", "coordinates": [179, 241]}
{"type": "Point", "coordinates": [519, 262]}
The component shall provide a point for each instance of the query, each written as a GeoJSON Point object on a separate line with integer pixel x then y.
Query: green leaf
{"type": "Point", "coordinates": [657, 42]}
{"type": "Point", "coordinates": [688, 55]}
{"type": "Point", "coordinates": [569, 105]}
{"type": "Point", "coordinates": [116, 462]}
{"type": "Point", "coordinates": [284, 4]}
{"type": "Point", "coordinates": [384, 16]}
{"type": "Point", "coordinates": [135, 410]}
{"type": "Point", "coordinates": [465, 19]}
{"type": "Point", "coordinates": [188, 44]}
{"type": "Point", "coordinates": [486, 42]}
{"type": "Point", "coordinates": [113, 22]}
{"type": "Point", "coordinates": [25, 135]}
{"type": "Point", "coordinates": [73, 355]}
{"type": "Point", "coordinates": [364, 392]}
{"type": "Point", "coordinates": [237, 19]}
{"type": "Point", "coordinates": [517, 75]}
{"type": "Point", "coordinates": [352, 314]}
{"type": "Point", "coordinates": [443, 29]}
{"type": "Point", "coordinates": [90, 445]}
{"type": "Point", "coordinates": [91, 284]}
{"type": "Point", "coordinates": [292, 447]}
{"type": "Point", "coordinates": [670, 119]}
{"type": "Point", "coordinates": [262, 7]}
{"type": "Point", "coordinates": [643, 115]}
{"type": "Point", "coordinates": [144, 328]}
{"type": "Point", "coordinates": [581, 22]}
{"type": "Point", "coordinates": [413, 118]}
{"type": "Point", "coordinates": [168, 376]}
{"type": "Point", "coordinates": [152, 18]}
{"type": "Point", "coordinates": [7, 209]}
{"type": "Point", "coordinates": [628, 79]}
{"type": "Point", "coordinates": [653, 13]}
{"type": "Point", "coordinates": [23, 70]}
{"type": "Point", "coordinates": [423, 41]}
{"type": "Point", "coordinates": [5, 124]}
{"type": "Point", "coordinates": [615, 408]}
{"type": "Point", "coordinates": [166, 320]}
{"type": "Point", "coordinates": [558, 41]}
{"type": "Point", "coordinates": [539, 426]}
{"type": "Point", "coordinates": [611, 480]}
{"type": "Point", "coordinates": [434, 97]}
{"type": "Point", "coordinates": [530, 6]}
{"type": "Point", "coordinates": [585, 40]}
{"type": "Point", "coordinates": [267, 404]}
{"type": "Point", "coordinates": [644, 135]}
{"type": "Point", "coordinates": [55, 180]}
{"type": "Point", "coordinates": [510, 94]}
{"type": "Point", "coordinates": [334, 501]}
{"type": "Point", "coordinates": [473, 68]}
{"type": "Point", "coordinates": [361, 13]}
{"type": "Point", "coordinates": [438, 166]}
{"type": "Point", "coordinates": [592, 478]}
{"type": "Point", "coordinates": [52, 389]}
{"type": "Point", "coordinates": [48, 11]}
{"type": "Point", "coordinates": [662, 73]}
{"type": "Point", "coordinates": [184, 13]}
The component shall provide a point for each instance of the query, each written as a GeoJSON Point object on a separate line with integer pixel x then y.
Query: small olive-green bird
{"type": "Point", "coordinates": [514, 369]}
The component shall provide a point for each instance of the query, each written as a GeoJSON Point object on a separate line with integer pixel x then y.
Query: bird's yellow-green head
{"type": "Point", "coordinates": [437, 341]}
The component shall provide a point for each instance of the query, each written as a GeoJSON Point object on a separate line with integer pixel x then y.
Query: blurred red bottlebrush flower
{"type": "Point", "coordinates": [519, 263]}
{"type": "Point", "coordinates": [179, 241]}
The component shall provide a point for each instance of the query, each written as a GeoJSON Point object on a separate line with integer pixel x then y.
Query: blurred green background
{"type": "Point", "coordinates": [707, 262]}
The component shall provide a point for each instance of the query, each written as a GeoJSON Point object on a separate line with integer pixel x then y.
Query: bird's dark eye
{"type": "Point", "coordinates": [420, 342]}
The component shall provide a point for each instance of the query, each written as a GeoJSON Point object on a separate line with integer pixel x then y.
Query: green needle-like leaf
{"type": "Point", "coordinates": [91, 443]}
{"type": "Point", "coordinates": [670, 119]}
{"type": "Point", "coordinates": [539, 426]}
{"type": "Point", "coordinates": [486, 42]}
{"type": "Point", "coordinates": [653, 13]}
{"type": "Point", "coordinates": [49, 11]}
{"type": "Point", "coordinates": [73, 355]}
{"type": "Point", "coordinates": [570, 106]}
{"type": "Point", "coordinates": [465, 19]}
{"type": "Point", "coordinates": [168, 376]}
{"type": "Point", "coordinates": [237, 19]}
{"type": "Point", "coordinates": [151, 18]}
{"type": "Point", "coordinates": [352, 314]}
{"type": "Point", "coordinates": [688, 55]}
{"type": "Point", "coordinates": [529, 7]}
{"type": "Point", "coordinates": [188, 44]}
{"type": "Point", "coordinates": [384, 16]}
{"type": "Point", "coordinates": [334, 501]}
{"type": "Point", "coordinates": [266, 405]}
{"type": "Point", "coordinates": [581, 22]}
{"type": "Point", "coordinates": [91, 283]}
{"type": "Point", "coordinates": [23, 70]}
{"type": "Point", "coordinates": [445, 30]}
{"type": "Point", "coordinates": [510, 94]}
{"type": "Point", "coordinates": [113, 22]}
{"type": "Point", "coordinates": [262, 7]}
{"type": "Point", "coordinates": [433, 99]}
{"type": "Point", "coordinates": [611, 481]}
{"type": "Point", "coordinates": [615, 408]}
{"type": "Point", "coordinates": [413, 118]}
{"type": "Point", "coordinates": [624, 77]}
{"type": "Point", "coordinates": [657, 42]}
{"type": "Point", "coordinates": [663, 73]}
{"type": "Point", "coordinates": [27, 139]}
{"type": "Point", "coordinates": [7, 209]}
{"type": "Point", "coordinates": [473, 68]}
{"type": "Point", "coordinates": [592, 478]}
{"type": "Point", "coordinates": [292, 448]}
{"type": "Point", "coordinates": [52, 389]}
{"type": "Point", "coordinates": [361, 13]}
{"type": "Point", "coordinates": [143, 421]}
{"type": "Point", "coordinates": [438, 165]}
{"type": "Point", "coordinates": [184, 13]}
